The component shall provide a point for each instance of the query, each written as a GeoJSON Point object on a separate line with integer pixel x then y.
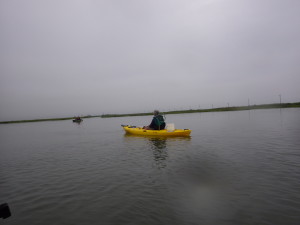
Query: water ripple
{"type": "Point", "coordinates": [237, 168]}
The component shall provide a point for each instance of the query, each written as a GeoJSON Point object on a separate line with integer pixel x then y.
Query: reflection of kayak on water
{"type": "Point", "coordinates": [164, 133]}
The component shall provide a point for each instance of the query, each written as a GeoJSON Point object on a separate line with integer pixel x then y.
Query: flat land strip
{"type": "Point", "coordinates": [223, 109]}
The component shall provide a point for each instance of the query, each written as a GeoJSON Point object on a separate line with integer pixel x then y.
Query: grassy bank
{"type": "Point", "coordinates": [42, 120]}
{"type": "Point", "coordinates": [251, 107]}
{"type": "Point", "coordinates": [223, 109]}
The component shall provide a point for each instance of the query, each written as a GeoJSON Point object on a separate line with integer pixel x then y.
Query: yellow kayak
{"type": "Point", "coordinates": [162, 133]}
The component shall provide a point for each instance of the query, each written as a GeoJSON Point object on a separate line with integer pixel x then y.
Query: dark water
{"type": "Point", "coordinates": [237, 168]}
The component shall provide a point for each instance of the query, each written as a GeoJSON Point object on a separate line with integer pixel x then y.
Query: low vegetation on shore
{"type": "Point", "coordinates": [42, 120]}
{"type": "Point", "coordinates": [233, 108]}
{"type": "Point", "coordinates": [222, 109]}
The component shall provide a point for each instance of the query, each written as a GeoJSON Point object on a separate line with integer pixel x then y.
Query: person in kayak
{"type": "Point", "coordinates": [157, 123]}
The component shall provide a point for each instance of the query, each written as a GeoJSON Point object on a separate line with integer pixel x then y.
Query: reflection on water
{"type": "Point", "coordinates": [160, 151]}
{"type": "Point", "coordinates": [158, 145]}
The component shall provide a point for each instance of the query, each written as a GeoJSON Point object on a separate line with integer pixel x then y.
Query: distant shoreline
{"type": "Point", "coordinates": [42, 120]}
{"type": "Point", "coordinates": [222, 109]}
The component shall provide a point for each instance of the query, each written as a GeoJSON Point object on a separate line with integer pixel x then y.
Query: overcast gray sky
{"type": "Point", "coordinates": [78, 57]}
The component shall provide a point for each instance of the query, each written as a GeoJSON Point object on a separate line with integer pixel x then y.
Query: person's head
{"type": "Point", "coordinates": [156, 112]}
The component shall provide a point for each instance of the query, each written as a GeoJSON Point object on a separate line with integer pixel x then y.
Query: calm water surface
{"type": "Point", "coordinates": [237, 168]}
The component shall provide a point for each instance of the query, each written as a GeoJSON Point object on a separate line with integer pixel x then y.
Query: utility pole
{"type": "Point", "coordinates": [280, 99]}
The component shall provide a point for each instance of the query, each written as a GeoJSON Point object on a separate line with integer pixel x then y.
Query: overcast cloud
{"type": "Point", "coordinates": [77, 57]}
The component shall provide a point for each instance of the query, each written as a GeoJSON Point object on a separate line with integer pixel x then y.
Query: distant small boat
{"type": "Point", "coordinates": [77, 120]}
